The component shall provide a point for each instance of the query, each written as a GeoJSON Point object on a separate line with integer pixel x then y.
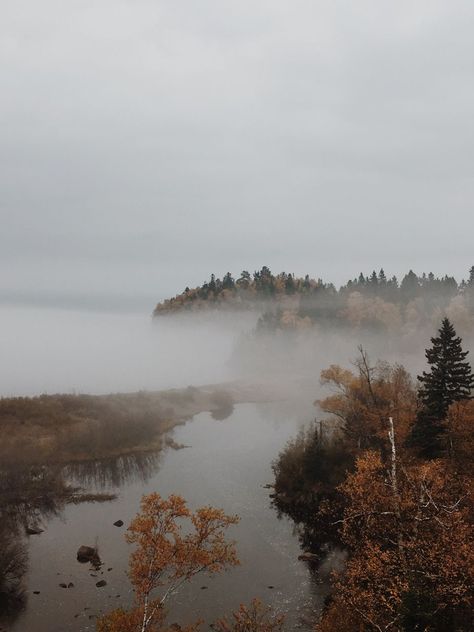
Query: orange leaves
{"type": "Point", "coordinates": [363, 402]}
{"type": "Point", "coordinates": [165, 557]}
{"type": "Point", "coordinates": [411, 544]}
{"type": "Point", "coordinates": [408, 523]}
{"type": "Point", "coordinates": [337, 376]}
{"type": "Point", "coordinates": [254, 618]}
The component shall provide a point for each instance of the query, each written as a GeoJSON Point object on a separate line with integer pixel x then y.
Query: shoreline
{"type": "Point", "coordinates": [57, 429]}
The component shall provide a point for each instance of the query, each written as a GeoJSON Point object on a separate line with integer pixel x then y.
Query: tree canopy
{"type": "Point", "coordinates": [449, 379]}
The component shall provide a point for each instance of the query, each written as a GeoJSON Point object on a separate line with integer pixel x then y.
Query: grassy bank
{"type": "Point", "coordinates": [65, 428]}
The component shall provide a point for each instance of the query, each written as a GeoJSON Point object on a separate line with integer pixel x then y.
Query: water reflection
{"type": "Point", "coordinates": [227, 465]}
{"type": "Point", "coordinates": [113, 472]}
{"type": "Point", "coordinates": [13, 566]}
{"type": "Point", "coordinates": [30, 495]}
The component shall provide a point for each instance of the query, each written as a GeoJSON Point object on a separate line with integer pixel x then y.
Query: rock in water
{"type": "Point", "coordinates": [87, 554]}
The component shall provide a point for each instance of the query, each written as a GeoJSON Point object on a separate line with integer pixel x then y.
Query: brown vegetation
{"type": "Point", "coordinates": [166, 556]}
{"type": "Point", "coordinates": [406, 521]}
{"type": "Point", "coordinates": [66, 428]}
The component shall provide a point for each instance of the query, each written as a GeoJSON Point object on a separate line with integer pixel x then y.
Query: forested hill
{"type": "Point", "coordinates": [248, 291]}
{"type": "Point", "coordinates": [289, 301]}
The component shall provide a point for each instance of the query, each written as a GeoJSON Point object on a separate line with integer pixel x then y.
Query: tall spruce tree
{"type": "Point", "coordinates": [449, 379]}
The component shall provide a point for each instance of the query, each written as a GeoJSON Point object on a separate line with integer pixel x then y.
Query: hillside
{"type": "Point", "coordinates": [286, 301]}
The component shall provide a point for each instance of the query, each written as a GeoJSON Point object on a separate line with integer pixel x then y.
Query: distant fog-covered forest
{"type": "Point", "coordinates": [376, 302]}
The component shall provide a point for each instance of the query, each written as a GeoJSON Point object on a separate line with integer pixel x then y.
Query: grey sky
{"type": "Point", "coordinates": [146, 144]}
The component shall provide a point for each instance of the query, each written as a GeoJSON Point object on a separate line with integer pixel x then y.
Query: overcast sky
{"type": "Point", "coordinates": [146, 144]}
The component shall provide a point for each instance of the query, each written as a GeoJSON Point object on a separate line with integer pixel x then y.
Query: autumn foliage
{"type": "Point", "coordinates": [252, 618]}
{"type": "Point", "coordinates": [412, 547]}
{"type": "Point", "coordinates": [363, 401]}
{"type": "Point", "coordinates": [166, 556]}
{"type": "Point", "coordinates": [407, 522]}
{"type": "Point", "coordinates": [172, 545]}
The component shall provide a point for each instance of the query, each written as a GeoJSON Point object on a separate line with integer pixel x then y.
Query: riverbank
{"type": "Point", "coordinates": [63, 428]}
{"type": "Point", "coordinates": [226, 465]}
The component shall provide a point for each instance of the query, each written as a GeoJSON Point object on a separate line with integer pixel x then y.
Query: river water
{"type": "Point", "coordinates": [226, 465]}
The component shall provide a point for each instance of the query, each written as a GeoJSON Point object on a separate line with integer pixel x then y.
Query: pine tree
{"type": "Point", "coordinates": [228, 282]}
{"type": "Point", "coordinates": [410, 286]}
{"type": "Point", "coordinates": [212, 283]}
{"type": "Point", "coordinates": [471, 277]}
{"type": "Point", "coordinates": [450, 379]}
{"type": "Point", "coordinates": [469, 291]}
{"type": "Point", "coordinates": [289, 284]}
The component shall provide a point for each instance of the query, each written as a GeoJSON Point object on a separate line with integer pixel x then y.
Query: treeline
{"type": "Point", "coordinates": [243, 292]}
{"type": "Point", "coordinates": [389, 478]}
{"type": "Point", "coordinates": [290, 302]}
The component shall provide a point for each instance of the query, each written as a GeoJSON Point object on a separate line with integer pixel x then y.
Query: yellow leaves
{"type": "Point", "coordinates": [364, 402]}
{"type": "Point", "coordinates": [361, 310]}
{"type": "Point", "coordinates": [337, 376]}
{"type": "Point", "coordinates": [290, 319]}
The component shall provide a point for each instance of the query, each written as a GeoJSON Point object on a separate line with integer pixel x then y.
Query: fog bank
{"type": "Point", "coordinates": [53, 350]}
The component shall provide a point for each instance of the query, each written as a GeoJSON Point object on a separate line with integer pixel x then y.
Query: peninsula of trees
{"type": "Point", "coordinates": [289, 302]}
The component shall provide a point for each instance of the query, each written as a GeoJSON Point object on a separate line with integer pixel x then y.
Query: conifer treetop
{"type": "Point", "coordinates": [450, 377]}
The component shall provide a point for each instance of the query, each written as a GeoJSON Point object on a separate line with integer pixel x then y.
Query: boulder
{"type": "Point", "coordinates": [101, 583]}
{"type": "Point", "coordinates": [87, 554]}
{"type": "Point", "coordinates": [118, 523]}
{"type": "Point", "coordinates": [33, 530]}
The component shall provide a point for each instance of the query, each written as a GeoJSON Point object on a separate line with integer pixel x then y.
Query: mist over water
{"type": "Point", "coordinates": [52, 350]}
{"type": "Point", "coordinates": [47, 350]}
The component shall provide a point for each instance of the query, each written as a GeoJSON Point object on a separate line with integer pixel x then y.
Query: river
{"type": "Point", "coordinates": [226, 464]}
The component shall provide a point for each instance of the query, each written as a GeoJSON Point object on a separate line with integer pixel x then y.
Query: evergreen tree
{"type": "Point", "coordinates": [228, 282]}
{"type": "Point", "coordinates": [410, 286]}
{"type": "Point", "coordinates": [469, 291]}
{"type": "Point", "coordinates": [245, 279]}
{"type": "Point", "coordinates": [289, 284]}
{"type": "Point", "coordinates": [450, 379]}
{"type": "Point", "coordinates": [373, 282]}
{"type": "Point", "coordinates": [471, 277]}
{"type": "Point", "coordinates": [212, 283]}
